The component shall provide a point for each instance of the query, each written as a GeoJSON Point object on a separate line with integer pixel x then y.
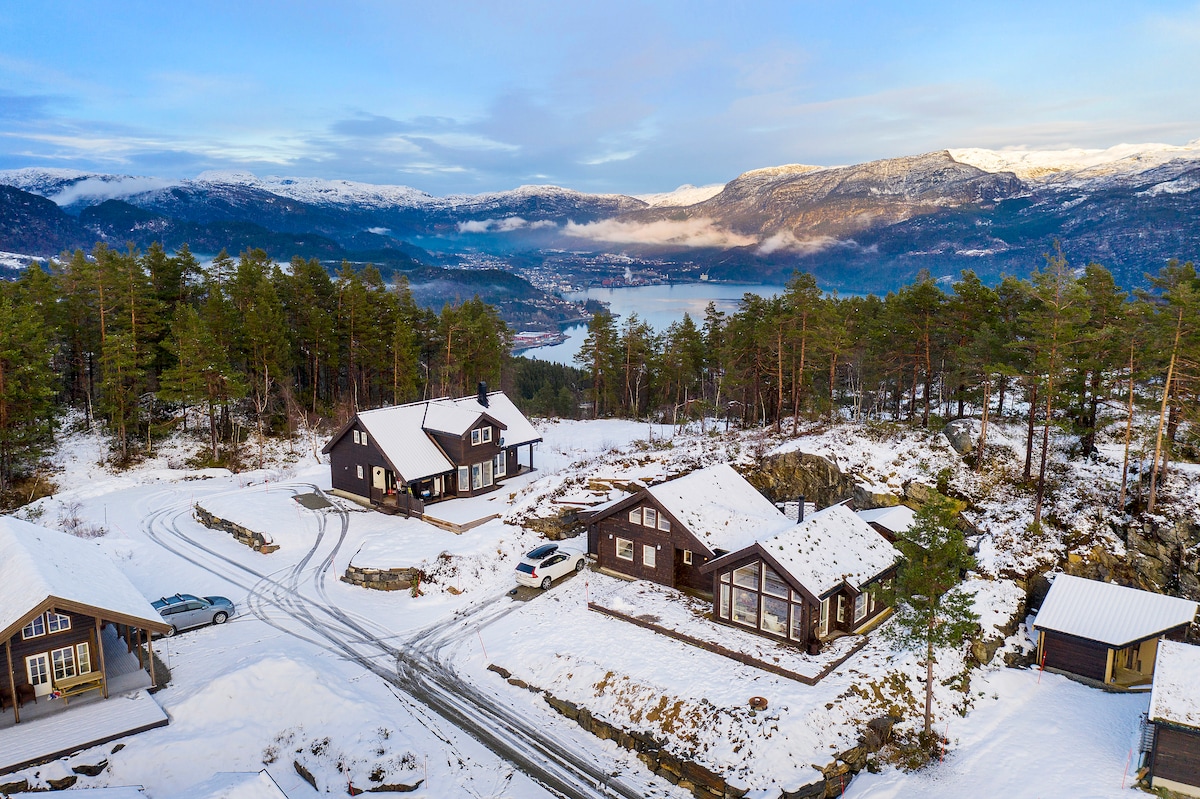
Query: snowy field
{"type": "Point", "coordinates": [341, 680]}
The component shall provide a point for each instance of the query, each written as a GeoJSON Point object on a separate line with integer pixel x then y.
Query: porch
{"type": "Point", "coordinates": [51, 728]}
{"type": "Point", "coordinates": [124, 675]}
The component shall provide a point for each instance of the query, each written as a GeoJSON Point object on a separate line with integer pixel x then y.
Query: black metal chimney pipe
{"type": "Point", "coordinates": [483, 400]}
{"type": "Point", "coordinates": [801, 513]}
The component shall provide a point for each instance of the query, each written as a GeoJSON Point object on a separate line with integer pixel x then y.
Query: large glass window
{"type": "Point", "coordinates": [797, 633]}
{"type": "Point", "coordinates": [650, 517]}
{"type": "Point", "coordinates": [774, 615]}
{"type": "Point", "coordinates": [747, 576]}
{"type": "Point", "coordinates": [501, 465]}
{"type": "Point", "coordinates": [464, 478]}
{"type": "Point", "coordinates": [825, 617]}
{"type": "Point", "coordinates": [773, 584]}
{"type": "Point", "coordinates": [648, 555]}
{"type": "Point", "coordinates": [860, 607]}
{"type": "Point", "coordinates": [624, 549]}
{"type": "Point", "coordinates": [724, 610]}
{"type": "Point", "coordinates": [745, 607]}
{"type": "Point", "coordinates": [487, 473]}
{"type": "Point", "coordinates": [83, 653]}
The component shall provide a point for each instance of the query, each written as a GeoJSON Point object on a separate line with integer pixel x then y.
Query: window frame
{"type": "Point", "coordinates": [464, 478]}
{"type": "Point", "coordinates": [57, 622]}
{"type": "Point", "coordinates": [649, 556]}
{"type": "Point", "coordinates": [30, 630]}
{"type": "Point", "coordinates": [485, 434]}
{"type": "Point", "coordinates": [501, 465]}
{"type": "Point", "coordinates": [621, 545]}
{"type": "Point", "coordinates": [823, 628]}
{"type": "Point", "coordinates": [635, 516]}
{"type": "Point", "coordinates": [476, 437]}
{"type": "Point", "coordinates": [62, 660]}
{"type": "Point", "coordinates": [860, 601]}
{"type": "Point", "coordinates": [664, 523]}
{"type": "Point", "coordinates": [687, 557]}
{"type": "Point", "coordinates": [358, 469]}
{"type": "Point", "coordinates": [649, 518]}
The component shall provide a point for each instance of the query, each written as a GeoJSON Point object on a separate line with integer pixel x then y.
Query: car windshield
{"type": "Point", "coordinates": [527, 568]}
{"type": "Point", "coordinates": [542, 551]}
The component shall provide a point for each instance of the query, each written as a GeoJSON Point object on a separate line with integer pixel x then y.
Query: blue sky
{"type": "Point", "coordinates": [614, 96]}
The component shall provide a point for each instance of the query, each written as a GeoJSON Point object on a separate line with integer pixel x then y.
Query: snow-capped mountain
{"type": "Point", "coordinates": [864, 226]}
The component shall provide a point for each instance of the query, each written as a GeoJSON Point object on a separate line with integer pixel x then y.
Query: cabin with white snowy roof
{"type": "Point", "coordinates": [827, 576]}
{"type": "Point", "coordinates": [1106, 633]}
{"type": "Point", "coordinates": [1173, 760]}
{"type": "Point", "coordinates": [399, 458]}
{"type": "Point", "coordinates": [665, 533]}
{"type": "Point", "coordinates": [64, 610]}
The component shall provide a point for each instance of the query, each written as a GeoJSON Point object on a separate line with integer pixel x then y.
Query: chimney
{"type": "Point", "coordinates": [801, 512]}
{"type": "Point", "coordinates": [483, 400]}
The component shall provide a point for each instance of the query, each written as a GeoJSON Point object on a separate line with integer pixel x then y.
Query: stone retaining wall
{"type": "Point", "coordinates": [702, 782]}
{"type": "Point", "coordinates": [382, 579]}
{"type": "Point", "coordinates": [244, 535]}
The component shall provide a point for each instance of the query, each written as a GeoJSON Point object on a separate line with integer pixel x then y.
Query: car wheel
{"type": "Point", "coordinates": [220, 618]}
{"type": "Point", "coordinates": [545, 583]}
{"type": "Point", "coordinates": [579, 565]}
{"type": "Point", "coordinates": [170, 631]}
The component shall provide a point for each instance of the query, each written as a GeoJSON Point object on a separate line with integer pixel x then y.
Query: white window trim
{"type": "Point", "coordinates": [648, 556]}
{"type": "Point", "coordinates": [841, 609]}
{"type": "Point", "coordinates": [363, 438]}
{"type": "Point", "coordinates": [501, 465]}
{"type": "Point", "coordinates": [664, 523]}
{"type": "Point", "coordinates": [485, 434]}
{"type": "Point", "coordinates": [52, 618]}
{"type": "Point", "coordinates": [464, 478]}
{"type": "Point", "coordinates": [861, 599]}
{"type": "Point", "coordinates": [355, 434]}
{"type": "Point", "coordinates": [635, 516]}
{"type": "Point", "coordinates": [824, 628]}
{"type": "Point", "coordinates": [621, 541]}
{"type": "Point", "coordinates": [476, 437]}
{"type": "Point", "coordinates": [83, 658]}
{"type": "Point", "coordinates": [359, 470]}
{"type": "Point", "coordinates": [31, 630]}
{"type": "Point", "coordinates": [650, 518]}
{"type": "Point", "coordinates": [687, 557]}
{"type": "Point", "coordinates": [44, 657]}
{"type": "Point", "coordinates": [68, 662]}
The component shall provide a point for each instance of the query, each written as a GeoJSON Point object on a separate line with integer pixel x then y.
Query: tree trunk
{"type": "Point", "coordinates": [1162, 415]}
{"type": "Point", "coordinates": [1041, 486]}
{"type": "Point", "coordinates": [1029, 431]}
{"type": "Point", "coordinates": [929, 680]}
{"type": "Point", "coordinates": [987, 386]}
{"type": "Point", "coordinates": [1128, 435]}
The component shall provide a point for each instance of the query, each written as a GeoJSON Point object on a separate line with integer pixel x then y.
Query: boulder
{"type": "Point", "coordinates": [783, 477]}
{"type": "Point", "coordinates": [962, 435]}
{"type": "Point", "coordinates": [90, 770]}
{"type": "Point", "coordinates": [867, 497]}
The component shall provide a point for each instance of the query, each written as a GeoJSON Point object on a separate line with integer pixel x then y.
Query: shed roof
{"type": "Point", "coordinates": [831, 546]}
{"type": "Point", "coordinates": [38, 564]}
{"type": "Point", "coordinates": [897, 518]}
{"type": "Point", "coordinates": [1175, 697]}
{"type": "Point", "coordinates": [719, 507]}
{"type": "Point", "coordinates": [1108, 613]}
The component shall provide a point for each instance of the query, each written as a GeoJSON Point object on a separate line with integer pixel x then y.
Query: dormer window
{"type": "Point", "coordinates": [481, 435]}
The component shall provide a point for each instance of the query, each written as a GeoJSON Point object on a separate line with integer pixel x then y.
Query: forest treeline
{"type": "Point", "coordinates": [137, 339]}
{"type": "Point", "coordinates": [1055, 349]}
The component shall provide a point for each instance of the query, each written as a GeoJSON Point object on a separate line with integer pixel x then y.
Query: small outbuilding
{"type": "Point", "coordinates": [1174, 757]}
{"type": "Point", "coordinates": [1106, 633]}
{"type": "Point", "coordinates": [829, 575]}
{"type": "Point", "coordinates": [667, 532]}
{"type": "Point", "coordinates": [891, 522]}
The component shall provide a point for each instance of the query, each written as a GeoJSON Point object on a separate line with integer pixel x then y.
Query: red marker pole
{"type": "Point", "coordinates": [481, 646]}
{"type": "Point", "coordinates": [1125, 776]}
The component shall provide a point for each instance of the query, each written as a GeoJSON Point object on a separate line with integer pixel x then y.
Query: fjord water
{"type": "Point", "coordinates": [658, 305]}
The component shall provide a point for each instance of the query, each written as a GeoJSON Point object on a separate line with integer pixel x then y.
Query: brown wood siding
{"type": "Point", "coordinates": [1176, 755]}
{"type": "Point", "coordinates": [460, 451]}
{"type": "Point", "coordinates": [345, 456]}
{"type": "Point", "coordinates": [81, 631]}
{"type": "Point", "coordinates": [1074, 655]}
{"type": "Point", "coordinates": [669, 568]}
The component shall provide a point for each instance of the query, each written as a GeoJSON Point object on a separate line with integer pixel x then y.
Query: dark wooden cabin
{"type": "Point", "coordinates": [1173, 761]}
{"type": "Point", "coordinates": [667, 532]}
{"type": "Point", "coordinates": [827, 576]}
{"type": "Point", "coordinates": [397, 459]}
{"type": "Point", "coordinates": [57, 593]}
{"type": "Point", "coordinates": [1105, 633]}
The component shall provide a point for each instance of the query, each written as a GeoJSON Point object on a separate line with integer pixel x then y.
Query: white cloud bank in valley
{"type": "Point", "coordinates": [702, 232]}
{"type": "Point", "coordinates": [786, 240]}
{"type": "Point", "coordinates": [506, 225]}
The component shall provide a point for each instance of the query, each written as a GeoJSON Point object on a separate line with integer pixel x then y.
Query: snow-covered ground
{"type": "Point", "coordinates": [320, 672]}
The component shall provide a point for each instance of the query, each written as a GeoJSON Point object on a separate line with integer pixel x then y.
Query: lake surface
{"type": "Point", "coordinates": [657, 305]}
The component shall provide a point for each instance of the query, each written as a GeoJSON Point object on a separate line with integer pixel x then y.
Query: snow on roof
{"type": "Point", "coordinates": [37, 563]}
{"type": "Point", "coordinates": [1175, 697]}
{"type": "Point", "coordinates": [236, 785]}
{"type": "Point", "coordinates": [445, 417]}
{"type": "Point", "coordinates": [1108, 613]}
{"type": "Point", "coordinates": [897, 518]}
{"type": "Point", "coordinates": [832, 545]}
{"type": "Point", "coordinates": [518, 430]}
{"type": "Point", "coordinates": [398, 432]}
{"type": "Point", "coordinates": [719, 507]}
